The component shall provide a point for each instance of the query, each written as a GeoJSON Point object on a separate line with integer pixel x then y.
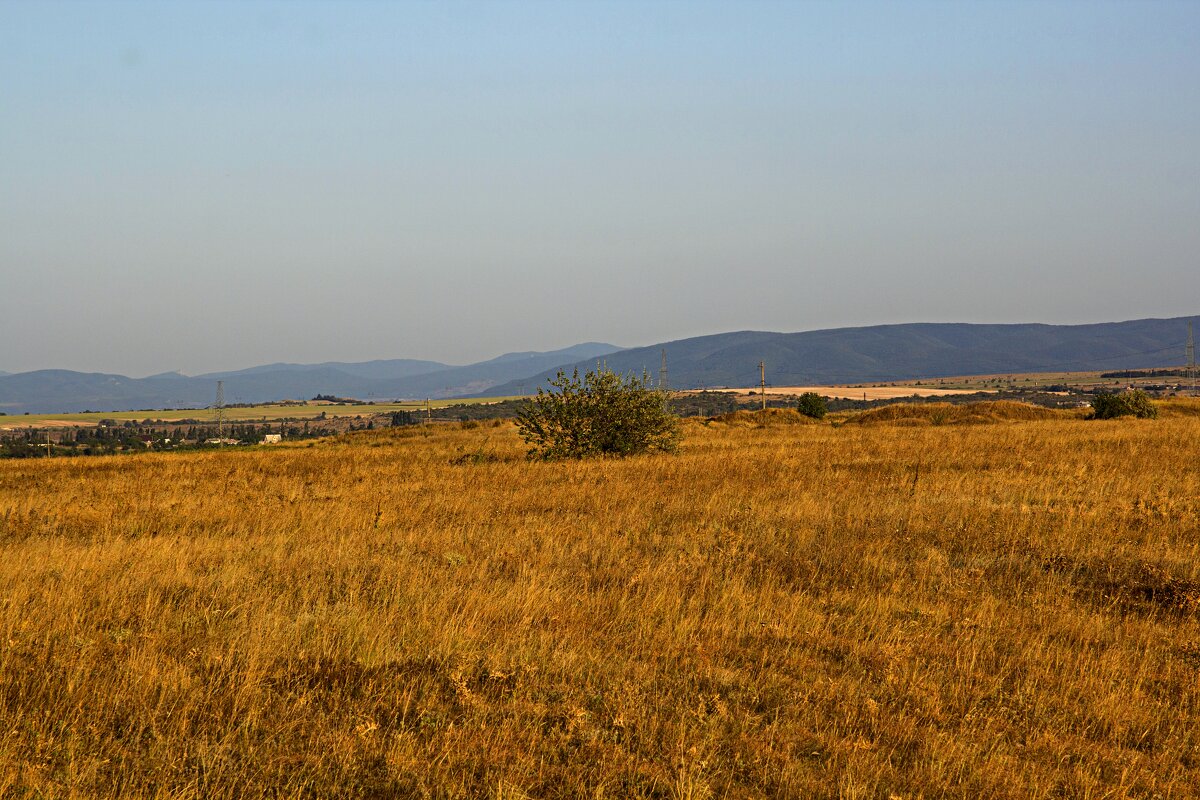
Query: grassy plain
{"type": "Point", "coordinates": [860, 392]}
{"type": "Point", "coordinates": [267, 412]}
{"type": "Point", "coordinates": [1036, 380]}
{"type": "Point", "coordinates": [780, 610]}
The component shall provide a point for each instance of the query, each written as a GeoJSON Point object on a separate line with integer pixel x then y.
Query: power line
{"type": "Point", "coordinates": [1191, 358]}
{"type": "Point", "coordinates": [762, 383]}
{"type": "Point", "coordinates": [220, 406]}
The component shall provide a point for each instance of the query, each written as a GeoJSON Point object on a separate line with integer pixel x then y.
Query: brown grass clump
{"type": "Point", "coordinates": [762, 418]}
{"type": "Point", "coordinates": [985, 412]}
{"type": "Point", "coordinates": [1178, 407]}
{"type": "Point", "coordinates": [795, 611]}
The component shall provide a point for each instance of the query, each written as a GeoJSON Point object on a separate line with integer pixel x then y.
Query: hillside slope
{"type": "Point", "coordinates": [61, 391]}
{"type": "Point", "coordinates": [899, 352]}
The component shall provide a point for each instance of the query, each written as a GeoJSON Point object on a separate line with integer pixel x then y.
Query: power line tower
{"type": "Point", "coordinates": [762, 383]}
{"type": "Point", "coordinates": [1191, 358]}
{"type": "Point", "coordinates": [662, 372]}
{"type": "Point", "coordinates": [220, 407]}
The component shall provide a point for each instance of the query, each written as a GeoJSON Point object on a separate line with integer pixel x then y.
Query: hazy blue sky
{"type": "Point", "coordinates": [205, 186]}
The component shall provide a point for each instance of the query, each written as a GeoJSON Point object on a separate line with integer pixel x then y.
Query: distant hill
{"type": "Point", "coordinates": [897, 352]}
{"type": "Point", "coordinates": [486, 375]}
{"type": "Point", "coordinates": [62, 391]}
{"type": "Point", "coordinates": [841, 355]}
{"type": "Point", "coordinates": [390, 369]}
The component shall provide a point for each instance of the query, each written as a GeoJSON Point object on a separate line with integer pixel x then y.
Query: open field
{"type": "Point", "coordinates": [860, 392]}
{"type": "Point", "coordinates": [784, 609]}
{"type": "Point", "coordinates": [967, 384]}
{"type": "Point", "coordinates": [263, 413]}
{"type": "Point", "coordinates": [1036, 380]}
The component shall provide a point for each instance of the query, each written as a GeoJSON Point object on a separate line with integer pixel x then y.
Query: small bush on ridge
{"type": "Point", "coordinates": [812, 405]}
{"type": "Point", "coordinates": [602, 414]}
{"type": "Point", "coordinates": [1135, 403]}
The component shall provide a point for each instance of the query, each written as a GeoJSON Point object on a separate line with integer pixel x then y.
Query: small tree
{"type": "Point", "coordinates": [812, 405]}
{"type": "Point", "coordinates": [1135, 403]}
{"type": "Point", "coordinates": [602, 414]}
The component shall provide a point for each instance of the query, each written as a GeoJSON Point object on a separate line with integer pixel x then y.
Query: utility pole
{"type": "Point", "coordinates": [762, 383]}
{"type": "Point", "coordinates": [662, 372]}
{"type": "Point", "coordinates": [47, 444]}
{"type": "Point", "coordinates": [220, 406]}
{"type": "Point", "coordinates": [1191, 358]}
{"type": "Point", "coordinates": [428, 412]}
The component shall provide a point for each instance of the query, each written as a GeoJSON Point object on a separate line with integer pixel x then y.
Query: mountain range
{"type": "Point", "coordinates": [63, 391]}
{"type": "Point", "coordinates": [895, 352]}
{"type": "Point", "coordinates": [839, 355]}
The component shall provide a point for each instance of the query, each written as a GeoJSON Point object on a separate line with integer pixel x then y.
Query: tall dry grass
{"type": "Point", "coordinates": [985, 412]}
{"type": "Point", "coordinates": [785, 611]}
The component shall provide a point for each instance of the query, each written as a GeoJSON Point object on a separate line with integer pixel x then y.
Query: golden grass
{"type": "Point", "coordinates": [787, 611]}
{"type": "Point", "coordinates": [265, 412]}
{"type": "Point", "coordinates": [1178, 407]}
{"type": "Point", "coordinates": [761, 418]}
{"type": "Point", "coordinates": [989, 411]}
{"type": "Point", "coordinates": [861, 392]}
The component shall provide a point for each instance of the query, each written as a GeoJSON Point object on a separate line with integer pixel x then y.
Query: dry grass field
{"type": "Point", "coordinates": [999, 610]}
{"type": "Point", "coordinates": [859, 392]}
{"type": "Point", "coordinates": [261, 413]}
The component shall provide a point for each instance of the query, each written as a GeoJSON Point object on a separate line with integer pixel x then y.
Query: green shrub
{"type": "Point", "coordinates": [602, 414]}
{"type": "Point", "coordinates": [812, 405]}
{"type": "Point", "coordinates": [1134, 403]}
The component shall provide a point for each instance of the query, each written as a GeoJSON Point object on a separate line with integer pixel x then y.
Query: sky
{"type": "Point", "coordinates": [207, 186]}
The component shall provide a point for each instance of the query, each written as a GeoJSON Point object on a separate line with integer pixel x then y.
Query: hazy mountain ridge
{"type": "Point", "coordinates": [898, 352]}
{"type": "Point", "coordinates": [838, 355]}
{"type": "Point", "coordinates": [381, 369]}
{"type": "Point", "coordinates": [62, 391]}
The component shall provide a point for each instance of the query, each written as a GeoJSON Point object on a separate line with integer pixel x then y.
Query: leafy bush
{"type": "Point", "coordinates": [1135, 403]}
{"type": "Point", "coordinates": [602, 414]}
{"type": "Point", "coordinates": [812, 405]}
